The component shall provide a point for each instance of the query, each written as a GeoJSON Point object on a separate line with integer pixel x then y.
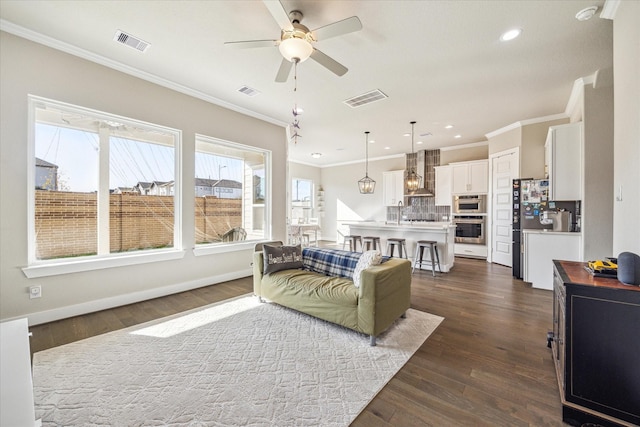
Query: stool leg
{"type": "Point", "coordinates": [438, 258]}
{"type": "Point", "coordinates": [403, 246]}
{"type": "Point", "coordinates": [433, 265]}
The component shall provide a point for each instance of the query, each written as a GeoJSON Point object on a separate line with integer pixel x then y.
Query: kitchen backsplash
{"type": "Point", "coordinates": [419, 209]}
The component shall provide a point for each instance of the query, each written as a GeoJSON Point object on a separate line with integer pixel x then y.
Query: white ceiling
{"type": "Point", "coordinates": [440, 62]}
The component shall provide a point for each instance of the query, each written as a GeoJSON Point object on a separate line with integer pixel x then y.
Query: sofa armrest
{"type": "Point", "coordinates": [385, 294]}
{"type": "Point", "coordinates": [258, 265]}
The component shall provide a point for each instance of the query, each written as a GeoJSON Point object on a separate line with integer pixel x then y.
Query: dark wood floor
{"type": "Point", "coordinates": [487, 364]}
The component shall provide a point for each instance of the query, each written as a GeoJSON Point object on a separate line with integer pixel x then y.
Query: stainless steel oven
{"type": "Point", "coordinates": [470, 229]}
{"type": "Point", "coordinates": [472, 204]}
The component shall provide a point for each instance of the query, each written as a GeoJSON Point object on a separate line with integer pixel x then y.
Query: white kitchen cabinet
{"type": "Point", "coordinates": [563, 161]}
{"type": "Point", "coordinates": [470, 177]}
{"type": "Point", "coordinates": [470, 250]}
{"type": "Point", "coordinates": [392, 187]}
{"type": "Point", "coordinates": [541, 248]}
{"type": "Point", "coordinates": [443, 185]}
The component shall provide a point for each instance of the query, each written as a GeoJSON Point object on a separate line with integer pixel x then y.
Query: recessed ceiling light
{"type": "Point", "coordinates": [316, 155]}
{"type": "Point", "coordinates": [587, 13]}
{"type": "Point", "coordinates": [387, 148]}
{"type": "Point", "coordinates": [448, 126]}
{"type": "Point", "coordinates": [458, 136]}
{"type": "Point", "coordinates": [406, 134]}
{"type": "Point", "coordinates": [511, 34]}
{"type": "Point", "coordinates": [418, 142]}
{"type": "Point", "coordinates": [371, 142]}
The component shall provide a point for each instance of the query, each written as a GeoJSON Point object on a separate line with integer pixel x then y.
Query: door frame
{"type": "Point", "coordinates": [490, 233]}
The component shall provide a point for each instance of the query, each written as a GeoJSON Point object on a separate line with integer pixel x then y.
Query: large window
{"type": "Point", "coordinates": [100, 185]}
{"type": "Point", "coordinates": [301, 200]}
{"type": "Point", "coordinates": [231, 192]}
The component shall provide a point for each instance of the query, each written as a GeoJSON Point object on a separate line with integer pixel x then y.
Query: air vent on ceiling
{"type": "Point", "coordinates": [248, 91]}
{"type": "Point", "coordinates": [365, 98]}
{"type": "Point", "coordinates": [131, 41]}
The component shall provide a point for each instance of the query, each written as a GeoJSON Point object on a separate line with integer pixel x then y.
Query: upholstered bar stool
{"type": "Point", "coordinates": [370, 243]}
{"type": "Point", "coordinates": [353, 242]}
{"type": "Point", "coordinates": [432, 261]}
{"type": "Point", "coordinates": [400, 243]}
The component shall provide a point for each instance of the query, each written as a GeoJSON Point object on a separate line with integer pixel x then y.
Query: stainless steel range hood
{"type": "Point", "coordinates": [424, 161]}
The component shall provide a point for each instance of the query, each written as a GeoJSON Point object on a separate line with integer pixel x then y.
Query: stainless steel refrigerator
{"type": "Point", "coordinates": [530, 199]}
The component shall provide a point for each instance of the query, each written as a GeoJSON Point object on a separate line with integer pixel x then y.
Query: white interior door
{"type": "Point", "coordinates": [505, 168]}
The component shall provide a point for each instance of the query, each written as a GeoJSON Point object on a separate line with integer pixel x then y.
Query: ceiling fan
{"type": "Point", "coordinates": [296, 40]}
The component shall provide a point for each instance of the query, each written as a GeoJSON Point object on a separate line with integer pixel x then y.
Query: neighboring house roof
{"type": "Point", "coordinates": [227, 183]}
{"type": "Point", "coordinates": [44, 163]}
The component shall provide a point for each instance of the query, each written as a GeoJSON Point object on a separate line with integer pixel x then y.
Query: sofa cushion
{"type": "Point", "coordinates": [367, 259]}
{"type": "Point", "coordinates": [278, 258]}
{"type": "Point", "coordinates": [330, 262]}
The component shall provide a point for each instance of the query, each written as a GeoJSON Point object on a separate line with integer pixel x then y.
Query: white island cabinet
{"type": "Point", "coordinates": [443, 233]}
{"type": "Point", "coordinates": [541, 248]}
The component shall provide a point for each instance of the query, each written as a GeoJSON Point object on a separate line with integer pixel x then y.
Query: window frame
{"type": "Point", "coordinates": [49, 267]}
{"type": "Point", "coordinates": [216, 248]}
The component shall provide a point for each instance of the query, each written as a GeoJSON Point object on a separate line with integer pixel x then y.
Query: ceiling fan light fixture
{"type": "Point", "coordinates": [295, 48]}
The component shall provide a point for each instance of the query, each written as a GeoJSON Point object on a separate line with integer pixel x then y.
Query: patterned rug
{"type": "Point", "coordinates": [237, 363]}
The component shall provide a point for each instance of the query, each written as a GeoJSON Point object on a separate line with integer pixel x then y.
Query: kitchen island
{"type": "Point", "coordinates": [442, 232]}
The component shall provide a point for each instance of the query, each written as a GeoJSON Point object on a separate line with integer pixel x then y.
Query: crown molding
{"type": "Point", "coordinates": [527, 122]}
{"type": "Point", "coordinates": [576, 93]}
{"type": "Point", "coordinates": [609, 9]}
{"type": "Point", "coordinates": [42, 39]}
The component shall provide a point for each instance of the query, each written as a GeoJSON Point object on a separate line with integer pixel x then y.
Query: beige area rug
{"type": "Point", "coordinates": [237, 363]}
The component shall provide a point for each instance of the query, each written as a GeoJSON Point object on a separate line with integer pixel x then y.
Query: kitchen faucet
{"type": "Point", "coordinates": [400, 204]}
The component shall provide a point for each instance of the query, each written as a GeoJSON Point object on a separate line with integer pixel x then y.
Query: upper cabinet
{"type": "Point", "coordinates": [443, 185]}
{"type": "Point", "coordinates": [563, 161]}
{"type": "Point", "coordinates": [392, 187]}
{"type": "Point", "coordinates": [470, 177]}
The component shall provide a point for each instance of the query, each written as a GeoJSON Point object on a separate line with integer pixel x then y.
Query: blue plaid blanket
{"type": "Point", "coordinates": [330, 262]}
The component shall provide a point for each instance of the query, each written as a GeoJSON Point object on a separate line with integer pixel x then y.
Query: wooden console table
{"type": "Point", "coordinates": [596, 347]}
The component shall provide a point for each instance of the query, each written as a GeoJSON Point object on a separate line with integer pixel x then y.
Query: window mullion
{"type": "Point", "coordinates": [103, 191]}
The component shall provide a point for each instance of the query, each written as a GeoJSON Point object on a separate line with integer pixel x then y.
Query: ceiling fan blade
{"type": "Point", "coordinates": [339, 28]}
{"type": "Point", "coordinates": [249, 44]}
{"type": "Point", "coordinates": [279, 14]}
{"type": "Point", "coordinates": [284, 71]}
{"type": "Point", "coordinates": [329, 63]}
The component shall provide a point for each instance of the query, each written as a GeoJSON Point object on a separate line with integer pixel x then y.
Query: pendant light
{"type": "Point", "coordinates": [412, 179]}
{"type": "Point", "coordinates": [366, 185]}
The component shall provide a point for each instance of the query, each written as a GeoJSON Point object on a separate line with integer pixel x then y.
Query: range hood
{"type": "Point", "coordinates": [424, 161]}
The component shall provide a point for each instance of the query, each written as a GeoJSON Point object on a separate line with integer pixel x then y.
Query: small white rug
{"type": "Point", "coordinates": [237, 363]}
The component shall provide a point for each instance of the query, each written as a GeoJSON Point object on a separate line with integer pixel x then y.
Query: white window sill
{"type": "Point", "coordinates": [88, 264]}
{"type": "Point", "coordinates": [224, 248]}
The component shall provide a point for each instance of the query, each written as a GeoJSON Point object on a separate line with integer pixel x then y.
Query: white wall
{"type": "Point", "coordinates": [30, 68]}
{"type": "Point", "coordinates": [343, 199]}
{"type": "Point", "coordinates": [626, 70]}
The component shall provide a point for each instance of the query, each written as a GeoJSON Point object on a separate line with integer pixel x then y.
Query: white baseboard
{"type": "Point", "coordinates": [124, 299]}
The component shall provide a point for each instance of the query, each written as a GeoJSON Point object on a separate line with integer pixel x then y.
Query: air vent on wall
{"type": "Point", "coordinates": [131, 41]}
{"type": "Point", "coordinates": [248, 91]}
{"type": "Point", "coordinates": [365, 98]}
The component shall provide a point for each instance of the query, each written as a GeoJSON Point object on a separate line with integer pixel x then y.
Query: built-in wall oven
{"type": "Point", "coordinates": [470, 229]}
{"type": "Point", "coordinates": [471, 204]}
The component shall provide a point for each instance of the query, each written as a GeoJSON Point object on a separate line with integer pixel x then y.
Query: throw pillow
{"type": "Point", "coordinates": [278, 258]}
{"type": "Point", "coordinates": [367, 259]}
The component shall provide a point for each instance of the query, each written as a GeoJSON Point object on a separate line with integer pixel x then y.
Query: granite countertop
{"type": "Point", "coordinates": [404, 225]}
{"type": "Point", "coordinates": [532, 231]}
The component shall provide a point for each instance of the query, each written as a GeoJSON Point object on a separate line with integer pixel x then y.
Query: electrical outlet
{"type": "Point", "coordinates": [35, 291]}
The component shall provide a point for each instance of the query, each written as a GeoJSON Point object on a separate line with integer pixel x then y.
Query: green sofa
{"type": "Point", "coordinates": [383, 296]}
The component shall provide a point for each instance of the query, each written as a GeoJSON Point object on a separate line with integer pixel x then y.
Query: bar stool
{"type": "Point", "coordinates": [400, 243]}
{"type": "Point", "coordinates": [353, 242]}
{"type": "Point", "coordinates": [433, 249]}
{"type": "Point", "coordinates": [370, 242]}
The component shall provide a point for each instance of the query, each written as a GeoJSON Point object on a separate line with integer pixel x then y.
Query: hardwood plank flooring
{"type": "Point", "coordinates": [487, 364]}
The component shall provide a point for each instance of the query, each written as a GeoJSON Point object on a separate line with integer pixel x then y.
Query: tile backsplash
{"type": "Point", "coordinates": [420, 209]}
